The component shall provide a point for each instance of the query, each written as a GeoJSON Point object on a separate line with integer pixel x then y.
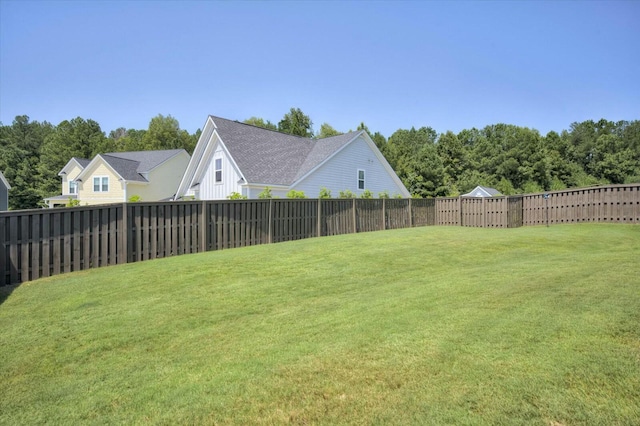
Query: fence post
{"type": "Point", "coordinates": [460, 209]}
{"type": "Point", "coordinates": [124, 236]}
{"type": "Point", "coordinates": [410, 214]}
{"type": "Point", "coordinates": [355, 223]}
{"type": "Point", "coordinates": [319, 221]}
{"type": "Point", "coordinates": [270, 240]}
{"type": "Point", "coordinates": [203, 227]}
{"type": "Point", "coordinates": [384, 214]}
{"type": "Point", "coordinates": [484, 212]}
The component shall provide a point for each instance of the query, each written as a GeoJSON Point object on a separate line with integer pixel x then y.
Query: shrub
{"type": "Point", "coordinates": [135, 199]}
{"type": "Point", "coordinates": [236, 196]}
{"type": "Point", "coordinates": [347, 194]}
{"type": "Point", "coordinates": [265, 194]}
{"type": "Point", "coordinates": [72, 203]}
{"type": "Point", "coordinates": [383, 194]}
{"type": "Point", "coordinates": [296, 194]}
{"type": "Point", "coordinates": [324, 193]}
{"type": "Point", "coordinates": [366, 194]}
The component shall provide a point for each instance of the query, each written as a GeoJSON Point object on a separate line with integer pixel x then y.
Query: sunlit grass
{"type": "Point", "coordinates": [417, 326]}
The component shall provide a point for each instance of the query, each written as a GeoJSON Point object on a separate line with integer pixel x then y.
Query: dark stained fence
{"type": "Point", "coordinates": [238, 223]}
{"type": "Point", "coordinates": [514, 211]}
{"type": "Point", "coordinates": [42, 243]}
{"type": "Point", "coordinates": [337, 217]}
{"type": "Point", "coordinates": [369, 215]}
{"type": "Point", "coordinates": [294, 220]}
{"type": "Point", "coordinates": [157, 230]}
{"type": "Point", "coordinates": [423, 212]}
{"type": "Point", "coordinates": [397, 213]}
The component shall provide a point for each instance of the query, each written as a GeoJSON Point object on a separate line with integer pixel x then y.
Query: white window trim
{"type": "Point", "coordinates": [216, 170]}
{"type": "Point", "coordinates": [364, 177]}
{"type": "Point", "coordinates": [100, 184]}
{"type": "Point", "coordinates": [73, 187]}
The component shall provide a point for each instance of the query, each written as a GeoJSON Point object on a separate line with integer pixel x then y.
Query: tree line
{"type": "Point", "coordinates": [509, 158]}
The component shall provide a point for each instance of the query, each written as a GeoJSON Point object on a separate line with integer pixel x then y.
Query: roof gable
{"type": "Point", "coordinates": [82, 163]}
{"type": "Point", "coordinates": [4, 181]}
{"type": "Point", "coordinates": [133, 166]}
{"type": "Point", "coordinates": [483, 191]}
{"type": "Point", "coordinates": [263, 155]}
{"type": "Point", "coordinates": [147, 160]}
{"type": "Point", "coordinates": [324, 149]}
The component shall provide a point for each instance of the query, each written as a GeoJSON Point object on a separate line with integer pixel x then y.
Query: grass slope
{"type": "Point", "coordinates": [429, 325]}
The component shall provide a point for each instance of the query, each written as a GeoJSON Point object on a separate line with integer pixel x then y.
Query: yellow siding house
{"type": "Point", "coordinates": [118, 176]}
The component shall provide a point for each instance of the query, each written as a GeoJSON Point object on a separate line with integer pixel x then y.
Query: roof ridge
{"type": "Point", "coordinates": [144, 150]}
{"type": "Point", "coordinates": [337, 136]}
{"type": "Point", "coordinates": [119, 158]}
{"type": "Point", "coordinates": [262, 128]}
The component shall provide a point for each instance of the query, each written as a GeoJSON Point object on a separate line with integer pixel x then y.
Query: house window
{"type": "Point", "coordinates": [73, 187]}
{"type": "Point", "coordinates": [360, 179]}
{"type": "Point", "coordinates": [218, 170]}
{"type": "Point", "coordinates": [101, 184]}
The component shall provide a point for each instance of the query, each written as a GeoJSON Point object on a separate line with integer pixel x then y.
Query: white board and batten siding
{"type": "Point", "coordinates": [341, 173]}
{"type": "Point", "coordinates": [209, 189]}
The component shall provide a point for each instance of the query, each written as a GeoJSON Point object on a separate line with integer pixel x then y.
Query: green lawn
{"type": "Point", "coordinates": [434, 325]}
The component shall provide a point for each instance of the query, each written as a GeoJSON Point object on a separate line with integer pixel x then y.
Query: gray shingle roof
{"type": "Point", "coordinates": [270, 157]}
{"type": "Point", "coordinates": [84, 162]}
{"type": "Point", "coordinates": [491, 191]}
{"type": "Point", "coordinates": [131, 165]}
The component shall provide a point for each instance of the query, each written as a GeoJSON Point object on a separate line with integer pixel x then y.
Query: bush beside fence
{"type": "Point", "coordinates": [41, 243]}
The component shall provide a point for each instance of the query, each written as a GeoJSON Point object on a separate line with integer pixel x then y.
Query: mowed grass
{"type": "Point", "coordinates": [434, 325]}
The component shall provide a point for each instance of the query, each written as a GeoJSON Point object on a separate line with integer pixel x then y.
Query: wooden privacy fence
{"type": "Point", "coordinates": [614, 203]}
{"type": "Point", "coordinates": [41, 243]}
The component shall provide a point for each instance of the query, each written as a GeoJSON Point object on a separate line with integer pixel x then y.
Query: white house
{"type": "Point", "coordinates": [236, 157]}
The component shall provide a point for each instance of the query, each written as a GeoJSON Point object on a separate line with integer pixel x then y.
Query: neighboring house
{"type": "Point", "coordinates": [483, 191]}
{"type": "Point", "coordinates": [4, 193]}
{"type": "Point", "coordinates": [69, 186]}
{"type": "Point", "coordinates": [116, 177]}
{"type": "Point", "coordinates": [235, 157]}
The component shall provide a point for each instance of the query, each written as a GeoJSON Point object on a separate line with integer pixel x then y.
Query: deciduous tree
{"type": "Point", "coordinates": [295, 122]}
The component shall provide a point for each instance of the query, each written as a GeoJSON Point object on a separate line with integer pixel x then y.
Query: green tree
{"type": "Point", "coordinates": [327, 131]}
{"type": "Point", "coordinates": [165, 133]}
{"type": "Point", "coordinates": [20, 145]}
{"type": "Point", "coordinates": [295, 122]}
{"type": "Point", "coordinates": [126, 140]}
{"type": "Point", "coordinates": [71, 138]}
{"type": "Point", "coordinates": [454, 158]}
{"type": "Point", "coordinates": [259, 122]}
{"type": "Point", "coordinates": [414, 157]}
{"type": "Point", "coordinates": [612, 160]}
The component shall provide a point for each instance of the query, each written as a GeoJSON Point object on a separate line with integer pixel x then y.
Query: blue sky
{"type": "Point", "coordinates": [447, 65]}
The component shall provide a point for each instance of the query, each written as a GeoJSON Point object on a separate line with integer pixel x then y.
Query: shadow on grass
{"type": "Point", "coordinates": [5, 292]}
